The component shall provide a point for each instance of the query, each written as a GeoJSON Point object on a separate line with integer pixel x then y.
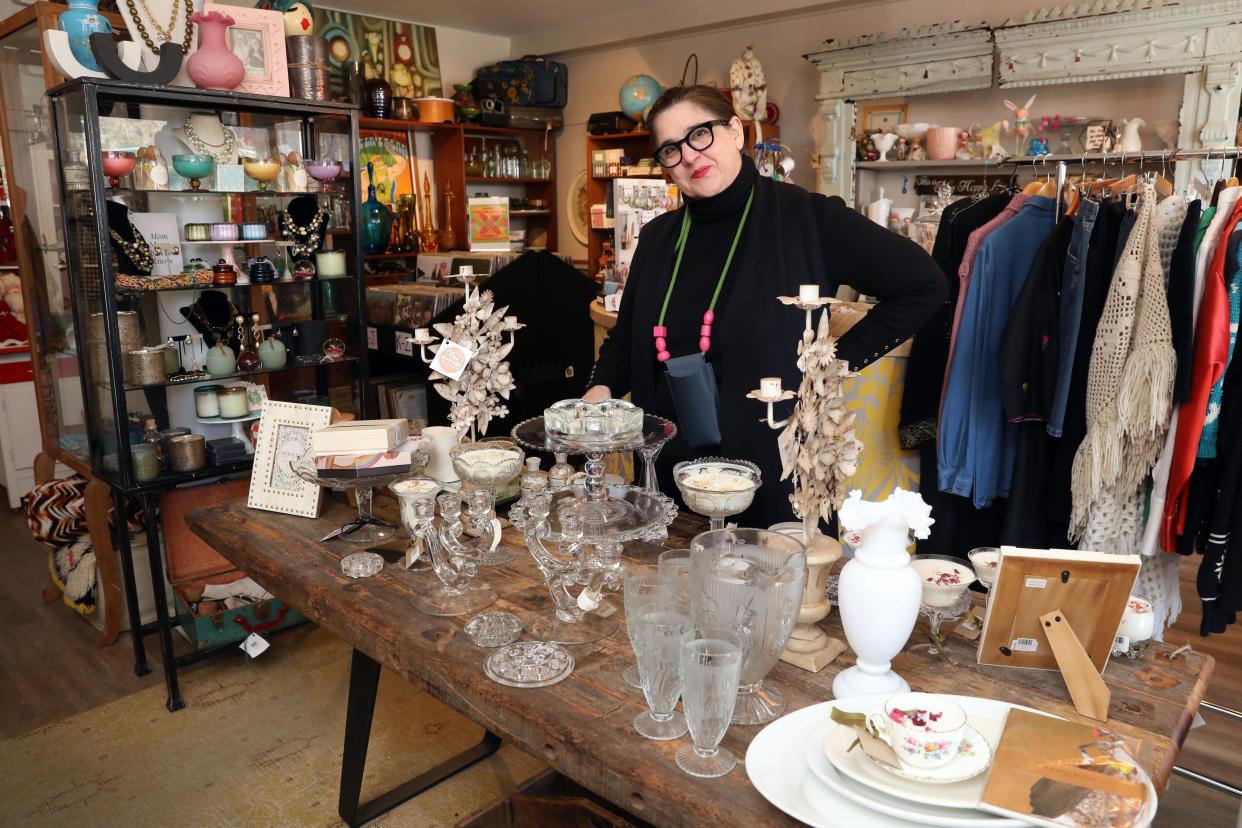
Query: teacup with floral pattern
{"type": "Point", "coordinates": [924, 729]}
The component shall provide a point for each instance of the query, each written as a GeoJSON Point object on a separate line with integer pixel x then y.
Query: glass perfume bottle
{"type": "Point", "coordinates": [150, 434]}
{"type": "Point", "coordinates": [561, 475]}
{"type": "Point", "coordinates": [533, 480]}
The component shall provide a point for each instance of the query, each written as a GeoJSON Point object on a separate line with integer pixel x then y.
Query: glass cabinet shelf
{"type": "Point", "coordinates": [292, 366]}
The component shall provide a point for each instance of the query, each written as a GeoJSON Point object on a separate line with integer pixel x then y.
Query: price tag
{"type": "Point", "coordinates": [254, 645]}
{"type": "Point", "coordinates": [451, 360]}
{"type": "Point", "coordinates": [1024, 645]}
{"type": "Point", "coordinates": [372, 338]}
{"type": "Point", "coordinates": [1036, 583]}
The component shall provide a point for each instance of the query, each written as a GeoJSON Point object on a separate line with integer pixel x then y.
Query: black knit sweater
{"type": "Point", "coordinates": [792, 237]}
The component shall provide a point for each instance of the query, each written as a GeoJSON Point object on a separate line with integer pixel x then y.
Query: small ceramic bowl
{"type": "Point", "coordinates": [254, 231]}
{"type": "Point", "coordinates": [222, 231]}
{"type": "Point", "coordinates": [198, 232]}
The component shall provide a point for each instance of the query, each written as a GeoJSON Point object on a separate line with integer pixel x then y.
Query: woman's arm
{"type": "Point", "coordinates": [877, 262]}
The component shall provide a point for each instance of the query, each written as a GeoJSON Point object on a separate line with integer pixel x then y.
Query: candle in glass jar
{"type": "Point", "coordinates": [1138, 622]}
{"type": "Point", "coordinates": [146, 462]}
{"type": "Point", "coordinates": [234, 402]}
{"type": "Point", "coordinates": [808, 293]}
{"type": "Point", "coordinates": [206, 403]}
{"type": "Point", "coordinates": [770, 386]}
{"type": "Point", "coordinates": [330, 264]}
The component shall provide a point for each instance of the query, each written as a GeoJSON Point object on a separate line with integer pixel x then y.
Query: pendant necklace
{"type": "Point", "coordinates": [222, 153]}
{"type": "Point", "coordinates": [310, 232]}
{"type": "Point", "coordinates": [660, 332]}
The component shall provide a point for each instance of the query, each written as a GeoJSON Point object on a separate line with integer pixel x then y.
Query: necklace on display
{"type": "Point", "coordinates": [223, 153]}
{"type": "Point", "coordinates": [310, 232]}
{"type": "Point", "coordinates": [172, 24]}
{"type": "Point", "coordinates": [138, 250]}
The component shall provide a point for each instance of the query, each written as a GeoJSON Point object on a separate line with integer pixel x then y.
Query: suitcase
{"type": "Point", "coordinates": [193, 564]}
{"type": "Point", "coordinates": [536, 117]}
{"type": "Point", "coordinates": [531, 81]}
{"type": "Point", "coordinates": [610, 123]}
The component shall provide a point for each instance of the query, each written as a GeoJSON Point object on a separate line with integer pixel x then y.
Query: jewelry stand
{"type": "Point", "coordinates": [212, 133]}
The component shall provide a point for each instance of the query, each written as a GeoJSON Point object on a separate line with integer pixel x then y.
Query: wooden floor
{"type": "Point", "coordinates": [50, 668]}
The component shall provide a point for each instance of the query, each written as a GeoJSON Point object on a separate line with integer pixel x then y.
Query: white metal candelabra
{"type": "Point", "coordinates": [819, 458]}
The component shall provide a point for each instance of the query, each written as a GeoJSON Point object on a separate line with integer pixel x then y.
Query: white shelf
{"type": "Point", "coordinates": [237, 241]}
{"type": "Point", "coordinates": [226, 421]}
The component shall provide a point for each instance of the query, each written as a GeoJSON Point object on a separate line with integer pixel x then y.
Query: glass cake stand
{"type": "Point", "coordinates": [576, 534]}
{"type": "Point", "coordinates": [366, 529]}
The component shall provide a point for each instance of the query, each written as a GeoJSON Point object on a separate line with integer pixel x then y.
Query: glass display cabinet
{"type": "Point", "coordinates": [209, 247]}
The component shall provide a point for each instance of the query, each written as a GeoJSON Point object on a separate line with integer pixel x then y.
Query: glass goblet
{"type": "Point", "coordinates": [642, 585]}
{"type": "Point", "coordinates": [262, 170]}
{"type": "Point", "coordinates": [945, 582]}
{"type": "Point", "coordinates": [717, 488]}
{"type": "Point", "coordinates": [658, 635]}
{"type": "Point", "coordinates": [711, 664]}
{"type": "Point", "coordinates": [117, 164]}
{"type": "Point", "coordinates": [675, 564]}
{"type": "Point", "coordinates": [325, 171]}
{"type": "Point", "coordinates": [194, 167]}
{"type": "Point", "coordinates": [986, 562]}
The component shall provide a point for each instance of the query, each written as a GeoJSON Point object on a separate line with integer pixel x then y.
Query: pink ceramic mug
{"type": "Point", "coordinates": [942, 143]}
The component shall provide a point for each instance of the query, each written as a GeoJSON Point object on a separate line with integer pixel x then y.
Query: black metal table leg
{"type": "Point", "coordinates": [174, 702]}
{"type": "Point", "coordinates": [364, 675]}
{"type": "Point", "coordinates": [126, 550]}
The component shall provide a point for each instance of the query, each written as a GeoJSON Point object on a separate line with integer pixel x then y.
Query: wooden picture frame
{"type": "Point", "coordinates": [257, 37]}
{"type": "Point", "coordinates": [881, 115]}
{"type": "Point", "coordinates": [1090, 588]}
{"type": "Point", "coordinates": [407, 400]}
{"type": "Point", "coordinates": [284, 436]}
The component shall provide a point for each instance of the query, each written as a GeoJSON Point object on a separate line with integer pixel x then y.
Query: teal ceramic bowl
{"type": "Point", "coordinates": [193, 166]}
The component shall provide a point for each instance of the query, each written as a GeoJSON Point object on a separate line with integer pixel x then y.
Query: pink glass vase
{"type": "Point", "coordinates": [213, 66]}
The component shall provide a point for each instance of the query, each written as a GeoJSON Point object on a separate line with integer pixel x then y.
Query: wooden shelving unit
{"type": "Point", "coordinates": [451, 143]}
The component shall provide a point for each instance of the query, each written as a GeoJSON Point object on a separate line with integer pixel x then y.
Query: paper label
{"type": "Point", "coordinates": [451, 360]}
{"type": "Point", "coordinates": [1036, 583]}
{"type": "Point", "coordinates": [1121, 644]}
{"type": "Point", "coordinates": [372, 338]}
{"type": "Point", "coordinates": [1024, 645]}
{"type": "Point", "coordinates": [254, 645]}
{"type": "Point", "coordinates": [785, 445]}
{"type": "Point", "coordinates": [970, 628]}
{"type": "Point", "coordinates": [405, 343]}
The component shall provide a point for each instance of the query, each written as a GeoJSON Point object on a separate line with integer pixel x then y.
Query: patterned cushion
{"type": "Point", "coordinates": [56, 511]}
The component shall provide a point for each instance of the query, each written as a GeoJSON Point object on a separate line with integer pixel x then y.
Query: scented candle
{"type": "Point", "coordinates": [770, 387]}
{"type": "Point", "coordinates": [944, 582]}
{"type": "Point", "coordinates": [808, 293]}
{"type": "Point", "coordinates": [330, 264]}
{"type": "Point", "coordinates": [146, 462]}
{"type": "Point", "coordinates": [206, 403]}
{"type": "Point", "coordinates": [1138, 622]}
{"type": "Point", "coordinates": [234, 402]}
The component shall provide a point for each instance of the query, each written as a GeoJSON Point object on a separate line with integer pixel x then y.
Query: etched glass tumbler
{"type": "Point", "coordinates": [642, 586]}
{"type": "Point", "coordinates": [749, 581]}
{"type": "Point", "coordinates": [711, 664]}
{"type": "Point", "coordinates": [660, 628]}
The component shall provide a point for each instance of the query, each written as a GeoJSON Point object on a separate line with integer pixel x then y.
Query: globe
{"type": "Point", "coordinates": [638, 93]}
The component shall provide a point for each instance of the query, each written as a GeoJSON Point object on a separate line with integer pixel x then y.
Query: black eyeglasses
{"type": "Point", "coordinates": [699, 138]}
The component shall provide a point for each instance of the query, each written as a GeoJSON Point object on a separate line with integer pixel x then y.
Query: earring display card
{"type": "Point", "coordinates": [1091, 588]}
{"type": "Point", "coordinates": [162, 233]}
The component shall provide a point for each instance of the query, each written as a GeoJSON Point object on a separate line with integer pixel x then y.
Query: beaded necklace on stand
{"type": "Point", "coordinates": [167, 34]}
{"type": "Point", "coordinates": [138, 250]}
{"type": "Point", "coordinates": [222, 153]}
{"type": "Point", "coordinates": [311, 231]}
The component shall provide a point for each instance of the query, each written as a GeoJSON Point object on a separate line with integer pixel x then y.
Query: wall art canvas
{"type": "Point", "coordinates": [402, 53]}
{"type": "Point", "coordinates": [390, 154]}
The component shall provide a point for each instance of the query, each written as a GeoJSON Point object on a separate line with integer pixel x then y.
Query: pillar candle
{"type": "Point", "coordinates": [808, 293]}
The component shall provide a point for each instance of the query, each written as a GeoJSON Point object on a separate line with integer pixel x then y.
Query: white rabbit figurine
{"type": "Point", "coordinates": [1021, 122]}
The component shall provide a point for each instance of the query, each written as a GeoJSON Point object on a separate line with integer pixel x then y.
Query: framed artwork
{"type": "Point", "coordinates": [404, 54]}
{"type": "Point", "coordinates": [881, 116]}
{"type": "Point", "coordinates": [405, 399]}
{"type": "Point", "coordinates": [284, 436]}
{"type": "Point", "coordinates": [389, 155]}
{"type": "Point", "coordinates": [488, 223]}
{"type": "Point", "coordinates": [257, 37]}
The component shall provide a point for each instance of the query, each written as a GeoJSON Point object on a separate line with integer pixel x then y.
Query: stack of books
{"type": "Point", "coordinates": [364, 448]}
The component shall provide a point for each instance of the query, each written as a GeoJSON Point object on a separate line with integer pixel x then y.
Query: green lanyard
{"type": "Point", "coordinates": [682, 237]}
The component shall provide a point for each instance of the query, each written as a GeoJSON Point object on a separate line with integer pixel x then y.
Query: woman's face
{"type": "Point", "coordinates": [704, 173]}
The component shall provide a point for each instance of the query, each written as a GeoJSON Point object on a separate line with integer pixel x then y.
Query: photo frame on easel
{"type": "Point", "coordinates": [880, 116]}
{"type": "Point", "coordinates": [284, 436]}
{"type": "Point", "coordinates": [1090, 589]}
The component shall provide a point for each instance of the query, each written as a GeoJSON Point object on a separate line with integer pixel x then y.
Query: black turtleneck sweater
{"type": "Point", "coordinates": [792, 237]}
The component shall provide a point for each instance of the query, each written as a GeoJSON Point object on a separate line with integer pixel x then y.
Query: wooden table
{"type": "Point", "coordinates": [582, 726]}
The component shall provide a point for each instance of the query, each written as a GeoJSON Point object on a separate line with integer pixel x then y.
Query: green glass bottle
{"type": "Point", "coordinates": [376, 218]}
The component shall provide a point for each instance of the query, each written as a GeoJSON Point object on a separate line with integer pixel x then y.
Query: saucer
{"type": "Point", "coordinates": [973, 758]}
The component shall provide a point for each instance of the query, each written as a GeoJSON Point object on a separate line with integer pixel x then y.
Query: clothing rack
{"type": "Point", "coordinates": [1063, 161]}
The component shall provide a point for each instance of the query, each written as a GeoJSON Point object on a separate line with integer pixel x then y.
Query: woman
{"type": "Point", "coordinates": [748, 239]}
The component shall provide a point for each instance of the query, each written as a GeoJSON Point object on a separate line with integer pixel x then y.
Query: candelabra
{"type": "Point", "coordinates": [821, 452]}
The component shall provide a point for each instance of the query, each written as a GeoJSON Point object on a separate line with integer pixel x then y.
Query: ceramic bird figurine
{"type": "Point", "coordinates": [1021, 121]}
{"type": "Point", "coordinates": [750, 89]}
{"type": "Point", "coordinates": [299, 15]}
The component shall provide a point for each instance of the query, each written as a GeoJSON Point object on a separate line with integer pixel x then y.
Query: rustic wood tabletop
{"type": "Point", "coordinates": [582, 726]}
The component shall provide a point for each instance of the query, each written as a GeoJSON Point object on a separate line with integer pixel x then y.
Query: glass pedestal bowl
{"type": "Point", "coordinates": [717, 488]}
{"type": "Point", "coordinates": [946, 584]}
{"type": "Point", "coordinates": [491, 465]}
{"type": "Point", "coordinates": [366, 529]}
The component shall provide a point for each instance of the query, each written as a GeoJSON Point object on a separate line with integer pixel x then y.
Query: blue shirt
{"type": "Point", "coordinates": [977, 446]}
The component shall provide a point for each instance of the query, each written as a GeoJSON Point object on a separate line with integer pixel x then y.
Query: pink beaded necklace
{"type": "Point", "coordinates": [660, 332]}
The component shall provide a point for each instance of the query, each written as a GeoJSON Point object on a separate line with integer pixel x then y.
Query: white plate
{"type": "Point", "coordinates": [834, 786]}
{"type": "Point", "coordinates": [972, 759]}
{"type": "Point", "coordinates": [860, 768]}
{"type": "Point", "coordinates": [776, 768]}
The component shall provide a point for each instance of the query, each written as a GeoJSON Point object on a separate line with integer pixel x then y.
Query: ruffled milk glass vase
{"type": "Point", "coordinates": [879, 590]}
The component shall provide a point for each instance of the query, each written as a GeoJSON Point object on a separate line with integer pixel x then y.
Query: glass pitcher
{"type": "Point", "coordinates": [749, 581]}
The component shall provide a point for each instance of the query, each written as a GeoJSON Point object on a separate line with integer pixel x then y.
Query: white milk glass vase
{"type": "Point", "coordinates": [879, 590]}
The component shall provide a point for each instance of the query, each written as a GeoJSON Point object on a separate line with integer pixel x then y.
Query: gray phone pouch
{"type": "Point", "coordinates": [692, 383]}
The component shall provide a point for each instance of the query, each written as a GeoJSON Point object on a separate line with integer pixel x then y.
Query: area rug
{"type": "Point", "coordinates": [258, 744]}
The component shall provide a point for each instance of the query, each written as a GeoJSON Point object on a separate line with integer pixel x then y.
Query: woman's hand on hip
{"type": "Point", "coordinates": [597, 393]}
